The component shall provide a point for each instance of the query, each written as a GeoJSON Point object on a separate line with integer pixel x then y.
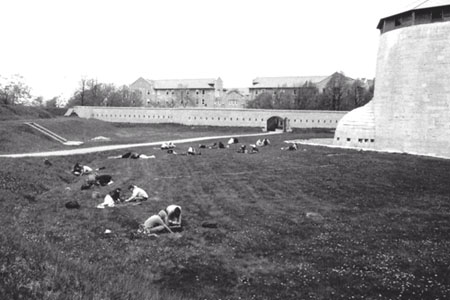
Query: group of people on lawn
{"type": "Point", "coordinates": [168, 219]}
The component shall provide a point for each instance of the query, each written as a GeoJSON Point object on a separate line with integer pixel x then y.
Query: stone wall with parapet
{"type": "Point", "coordinates": [410, 111]}
{"type": "Point", "coordinates": [211, 116]}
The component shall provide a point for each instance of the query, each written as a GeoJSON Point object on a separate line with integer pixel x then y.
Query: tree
{"type": "Point", "coordinates": [263, 100]}
{"type": "Point", "coordinates": [185, 98]}
{"type": "Point", "coordinates": [306, 96]}
{"type": "Point", "coordinates": [14, 91]}
{"type": "Point", "coordinates": [91, 92]}
{"type": "Point", "coordinates": [53, 103]}
{"type": "Point", "coordinates": [334, 91]}
{"type": "Point", "coordinates": [38, 101]}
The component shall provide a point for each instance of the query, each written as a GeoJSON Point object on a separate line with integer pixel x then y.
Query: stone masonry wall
{"type": "Point", "coordinates": [211, 117]}
{"type": "Point", "coordinates": [412, 96]}
{"type": "Point", "coordinates": [410, 111]}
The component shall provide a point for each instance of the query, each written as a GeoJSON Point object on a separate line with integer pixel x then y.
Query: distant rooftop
{"type": "Point", "coordinates": [293, 81]}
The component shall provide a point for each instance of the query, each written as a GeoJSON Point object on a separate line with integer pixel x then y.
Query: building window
{"type": "Point", "coordinates": [349, 139]}
{"type": "Point", "coordinates": [196, 92]}
{"type": "Point", "coordinates": [337, 138]}
{"type": "Point", "coordinates": [203, 101]}
{"type": "Point", "coordinates": [167, 93]}
{"type": "Point", "coordinates": [256, 92]}
{"type": "Point", "coordinates": [203, 92]}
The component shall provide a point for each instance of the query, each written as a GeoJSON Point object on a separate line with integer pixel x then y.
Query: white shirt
{"type": "Point", "coordinates": [138, 192]}
{"type": "Point", "coordinates": [107, 202]}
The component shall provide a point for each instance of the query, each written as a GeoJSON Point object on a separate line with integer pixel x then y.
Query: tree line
{"type": "Point", "coordinates": [93, 93]}
{"type": "Point", "coordinates": [340, 93]}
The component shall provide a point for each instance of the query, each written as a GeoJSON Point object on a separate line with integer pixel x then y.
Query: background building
{"type": "Point", "coordinates": [179, 92]}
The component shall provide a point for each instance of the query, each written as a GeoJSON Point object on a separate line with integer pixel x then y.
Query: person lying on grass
{"type": "Point", "coordinates": [110, 199]}
{"type": "Point", "coordinates": [132, 155]}
{"type": "Point", "coordinates": [191, 151]}
{"type": "Point", "coordinates": [98, 180]}
{"type": "Point", "coordinates": [138, 194]}
{"type": "Point", "coordinates": [79, 169]}
{"type": "Point", "coordinates": [291, 147]}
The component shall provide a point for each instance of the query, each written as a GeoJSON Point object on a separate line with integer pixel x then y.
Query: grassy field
{"type": "Point", "coordinates": [14, 133]}
{"type": "Point", "coordinates": [317, 223]}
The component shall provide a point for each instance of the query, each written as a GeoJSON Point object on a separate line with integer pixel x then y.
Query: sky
{"type": "Point", "coordinates": [53, 44]}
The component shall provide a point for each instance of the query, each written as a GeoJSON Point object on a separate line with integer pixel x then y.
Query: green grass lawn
{"type": "Point", "coordinates": [15, 136]}
{"type": "Point", "coordinates": [381, 229]}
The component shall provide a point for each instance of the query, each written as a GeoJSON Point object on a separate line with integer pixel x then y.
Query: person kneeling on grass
{"type": "Point", "coordinates": [192, 151]}
{"type": "Point", "coordinates": [173, 215]}
{"type": "Point", "coordinates": [138, 194]}
{"type": "Point", "coordinates": [79, 169]}
{"type": "Point", "coordinates": [110, 199]}
{"type": "Point", "coordinates": [156, 224]}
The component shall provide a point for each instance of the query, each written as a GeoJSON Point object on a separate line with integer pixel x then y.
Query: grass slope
{"type": "Point", "coordinates": [19, 112]}
{"type": "Point", "coordinates": [382, 229]}
{"type": "Point", "coordinates": [14, 133]}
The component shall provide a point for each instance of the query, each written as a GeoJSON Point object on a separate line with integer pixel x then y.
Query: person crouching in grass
{"type": "Point", "coordinates": [137, 194]}
{"type": "Point", "coordinates": [110, 199]}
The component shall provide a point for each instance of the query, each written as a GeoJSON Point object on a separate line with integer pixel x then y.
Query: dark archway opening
{"type": "Point", "coordinates": [274, 123]}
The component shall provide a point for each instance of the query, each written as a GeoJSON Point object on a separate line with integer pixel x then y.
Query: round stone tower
{"type": "Point", "coordinates": [410, 111]}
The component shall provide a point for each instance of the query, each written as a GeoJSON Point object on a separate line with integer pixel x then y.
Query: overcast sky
{"type": "Point", "coordinates": [54, 43]}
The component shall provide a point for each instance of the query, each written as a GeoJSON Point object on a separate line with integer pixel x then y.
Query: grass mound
{"type": "Point", "coordinates": [18, 112]}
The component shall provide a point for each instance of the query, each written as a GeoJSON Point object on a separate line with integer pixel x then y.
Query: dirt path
{"type": "Point", "coordinates": [125, 146]}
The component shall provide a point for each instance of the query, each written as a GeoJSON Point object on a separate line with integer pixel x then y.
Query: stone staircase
{"type": "Point", "coordinates": [52, 135]}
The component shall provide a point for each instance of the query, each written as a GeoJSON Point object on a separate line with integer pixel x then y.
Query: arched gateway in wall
{"type": "Point", "coordinates": [274, 123]}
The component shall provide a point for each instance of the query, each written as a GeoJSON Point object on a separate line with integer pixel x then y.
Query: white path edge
{"type": "Point", "coordinates": [124, 146]}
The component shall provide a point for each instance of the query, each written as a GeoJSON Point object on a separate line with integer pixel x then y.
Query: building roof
{"type": "Point", "coordinates": [141, 79]}
{"type": "Point", "coordinates": [415, 5]}
{"type": "Point", "coordinates": [241, 91]}
{"type": "Point", "coordinates": [207, 83]}
{"type": "Point", "coordinates": [290, 82]}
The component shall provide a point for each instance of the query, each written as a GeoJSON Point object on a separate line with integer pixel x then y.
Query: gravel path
{"type": "Point", "coordinates": [125, 146]}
